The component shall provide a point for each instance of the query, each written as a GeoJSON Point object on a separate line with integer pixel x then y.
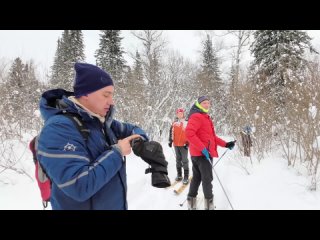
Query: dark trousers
{"type": "Point", "coordinates": [181, 157]}
{"type": "Point", "coordinates": [202, 172]}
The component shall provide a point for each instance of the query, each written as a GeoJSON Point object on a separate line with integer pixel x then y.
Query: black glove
{"type": "Point", "coordinates": [152, 153]}
{"type": "Point", "coordinates": [230, 145]}
{"type": "Point", "coordinates": [170, 144]}
{"type": "Point", "coordinates": [186, 146]}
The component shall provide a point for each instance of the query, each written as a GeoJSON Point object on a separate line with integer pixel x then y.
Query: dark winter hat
{"type": "Point", "coordinates": [89, 78]}
{"type": "Point", "coordinates": [203, 98]}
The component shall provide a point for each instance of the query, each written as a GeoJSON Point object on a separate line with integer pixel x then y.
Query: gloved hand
{"type": "Point", "coordinates": [186, 146]}
{"type": "Point", "coordinates": [206, 153]}
{"type": "Point", "coordinates": [170, 144]}
{"type": "Point", "coordinates": [152, 153]}
{"type": "Point", "coordinates": [230, 145]}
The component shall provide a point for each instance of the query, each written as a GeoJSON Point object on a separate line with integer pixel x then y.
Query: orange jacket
{"type": "Point", "coordinates": [178, 133]}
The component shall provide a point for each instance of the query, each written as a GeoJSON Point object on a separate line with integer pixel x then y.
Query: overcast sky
{"type": "Point", "coordinates": [40, 45]}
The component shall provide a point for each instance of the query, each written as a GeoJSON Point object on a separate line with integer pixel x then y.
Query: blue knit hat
{"type": "Point", "coordinates": [89, 78]}
{"type": "Point", "coordinates": [203, 98]}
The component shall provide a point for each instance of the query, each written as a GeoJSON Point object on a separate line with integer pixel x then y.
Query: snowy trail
{"type": "Point", "coordinates": [270, 185]}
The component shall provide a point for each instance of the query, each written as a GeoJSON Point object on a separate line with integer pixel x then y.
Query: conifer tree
{"type": "Point", "coordinates": [209, 79]}
{"type": "Point", "coordinates": [137, 68]}
{"type": "Point", "coordinates": [137, 88]}
{"type": "Point", "coordinates": [56, 68]}
{"type": "Point", "coordinates": [210, 73]}
{"type": "Point", "coordinates": [32, 93]}
{"type": "Point", "coordinates": [279, 61]}
{"type": "Point", "coordinates": [109, 56]}
{"type": "Point", "coordinates": [22, 95]}
{"type": "Point", "coordinates": [70, 49]}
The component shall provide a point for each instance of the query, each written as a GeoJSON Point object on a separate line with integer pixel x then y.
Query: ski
{"type": "Point", "coordinates": [182, 187]}
{"type": "Point", "coordinates": [174, 183]}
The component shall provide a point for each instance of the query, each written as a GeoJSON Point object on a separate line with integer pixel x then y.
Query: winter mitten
{"type": "Point", "coordinates": [230, 145]}
{"type": "Point", "coordinates": [152, 153]}
{"type": "Point", "coordinates": [206, 153]}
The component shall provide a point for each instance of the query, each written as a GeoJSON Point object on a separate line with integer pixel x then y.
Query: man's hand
{"type": "Point", "coordinates": [125, 144]}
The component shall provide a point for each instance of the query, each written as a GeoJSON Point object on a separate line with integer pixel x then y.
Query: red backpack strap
{"type": "Point", "coordinates": [43, 180]}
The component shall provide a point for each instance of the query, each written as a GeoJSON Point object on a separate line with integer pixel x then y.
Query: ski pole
{"type": "Point", "coordinates": [181, 204]}
{"type": "Point", "coordinates": [223, 189]}
{"type": "Point", "coordinates": [219, 158]}
{"type": "Point", "coordinates": [219, 179]}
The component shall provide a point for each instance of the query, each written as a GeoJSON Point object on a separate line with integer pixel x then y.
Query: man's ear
{"type": "Point", "coordinates": [85, 97]}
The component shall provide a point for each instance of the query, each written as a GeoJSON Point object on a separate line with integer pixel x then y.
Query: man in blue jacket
{"type": "Point", "coordinates": [85, 174]}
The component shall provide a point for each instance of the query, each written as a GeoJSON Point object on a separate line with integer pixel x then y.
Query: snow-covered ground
{"type": "Point", "coordinates": [270, 185]}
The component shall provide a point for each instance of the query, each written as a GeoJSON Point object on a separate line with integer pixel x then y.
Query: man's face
{"type": "Point", "coordinates": [100, 101]}
{"type": "Point", "coordinates": [205, 104]}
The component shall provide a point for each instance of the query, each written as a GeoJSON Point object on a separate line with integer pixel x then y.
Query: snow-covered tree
{"type": "Point", "coordinates": [151, 54]}
{"type": "Point", "coordinates": [279, 58]}
{"type": "Point", "coordinates": [210, 73]}
{"type": "Point", "coordinates": [70, 49]}
{"type": "Point", "coordinates": [242, 40]}
{"type": "Point", "coordinates": [109, 55]}
{"type": "Point", "coordinates": [32, 93]}
{"type": "Point", "coordinates": [137, 68]}
{"type": "Point", "coordinates": [137, 88]}
{"type": "Point", "coordinates": [57, 67]}
{"type": "Point", "coordinates": [21, 97]}
{"type": "Point", "coordinates": [76, 46]}
{"type": "Point", "coordinates": [152, 51]}
{"type": "Point", "coordinates": [179, 78]}
{"type": "Point", "coordinates": [15, 86]}
{"type": "Point", "coordinates": [237, 85]}
{"type": "Point", "coordinates": [210, 82]}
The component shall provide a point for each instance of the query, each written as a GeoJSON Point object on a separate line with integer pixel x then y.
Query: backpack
{"type": "Point", "coordinates": [43, 180]}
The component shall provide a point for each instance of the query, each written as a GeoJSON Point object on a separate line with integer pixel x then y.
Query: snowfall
{"type": "Point", "coordinates": [266, 185]}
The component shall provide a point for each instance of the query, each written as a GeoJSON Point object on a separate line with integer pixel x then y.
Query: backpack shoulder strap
{"type": "Point", "coordinates": [77, 120]}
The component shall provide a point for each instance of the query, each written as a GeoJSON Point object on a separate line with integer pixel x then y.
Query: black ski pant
{"type": "Point", "coordinates": [202, 172]}
{"type": "Point", "coordinates": [182, 158]}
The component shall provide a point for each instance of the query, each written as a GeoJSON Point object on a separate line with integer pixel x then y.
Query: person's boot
{"type": "Point", "coordinates": [186, 177]}
{"type": "Point", "coordinates": [192, 203]}
{"type": "Point", "coordinates": [179, 174]}
{"type": "Point", "coordinates": [208, 204]}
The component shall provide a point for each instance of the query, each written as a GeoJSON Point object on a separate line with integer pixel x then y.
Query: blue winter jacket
{"type": "Point", "coordinates": [84, 175]}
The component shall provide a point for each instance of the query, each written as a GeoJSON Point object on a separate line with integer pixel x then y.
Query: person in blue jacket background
{"type": "Point", "coordinates": [85, 174]}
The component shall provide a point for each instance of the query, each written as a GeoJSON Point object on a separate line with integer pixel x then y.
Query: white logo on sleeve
{"type": "Point", "coordinates": [69, 147]}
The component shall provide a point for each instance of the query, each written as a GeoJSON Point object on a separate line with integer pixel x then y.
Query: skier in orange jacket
{"type": "Point", "coordinates": [177, 136]}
